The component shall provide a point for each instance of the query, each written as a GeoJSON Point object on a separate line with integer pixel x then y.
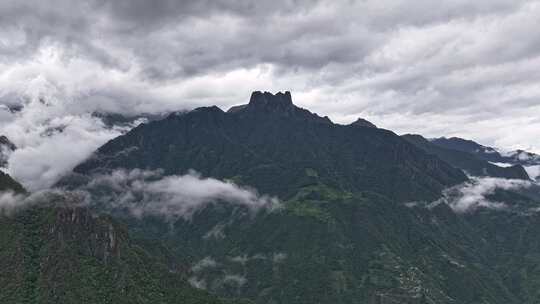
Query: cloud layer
{"type": "Point", "coordinates": [468, 69]}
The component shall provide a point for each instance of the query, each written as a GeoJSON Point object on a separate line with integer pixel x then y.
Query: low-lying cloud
{"type": "Point", "coordinates": [52, 137]}
{"type": "Point", "coordinates": [533, 172]}
{"type": "Point", "coordinates": [143, 192]}
{"type": "Point", "coordinates": [475, 194]}
{"type": "Point", "coordinates": [11, 202]}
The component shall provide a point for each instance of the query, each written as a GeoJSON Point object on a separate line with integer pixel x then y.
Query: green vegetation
{"type": "Point", "coordinates": [278, 151]}
{"type": "Point", "coordinates": [64, 255]}
{"type": "Point", "coordinates": [68, 255]}
{"type": "Point", "coordinates": [344, 236]}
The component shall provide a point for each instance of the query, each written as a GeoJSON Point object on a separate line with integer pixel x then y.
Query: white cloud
{"type": "Point", "coordinates": [533, 171]}
{"type": "Point", "coordinates": [207, 262]}
{"type": "Point", "coordinates": [11, 202]}
{"type": "Point", "coordinates": [503, 165]}
{"type": "Point", "coordinates": [145, 193]}
{"type": "Point", "coordinates": [475, 193]}
{"type": "Point", "coordinates": [235, 279]}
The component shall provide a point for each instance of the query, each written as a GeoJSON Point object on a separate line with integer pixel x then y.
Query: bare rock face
{"type": "Point", "coordinates": [103, 237]}
{"type": "Point", "coordinates": [270, 102]}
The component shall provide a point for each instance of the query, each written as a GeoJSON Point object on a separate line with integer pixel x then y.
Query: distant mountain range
{"type": "Point", "coordinates": [487, 153]}
{"type": "Point", "coordinates": [530, 161]}
{"type": "Point", "coordinates": [364, 216]}
{"type": "Point", "coordinates": [468, 162]}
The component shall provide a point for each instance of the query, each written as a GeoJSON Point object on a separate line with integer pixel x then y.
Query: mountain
{"type": "Point", "coordinates": [513, 238]}
{"type": "Point", "coordinates": [353, 227]}
{"type": "Point", "coordinates": [119, 120]}
{"type": "Point", "coordinates": [7, 183]}
{"type": "Point", "coordinates": [360, 122]}
{"type": "Point", "coordinates": [276, 147]}
{"type": "Point", "coordinates": [330, 247]}
{"type": "Point", "coordinates": [6, 147]}
{"type": "Point", "coordinates": [517, 157]}
{"type": "Point", "coordinates": [59, 252]}
{"type": "Point", "coordinates": [466, 161]}
{"type": "Point", "coordinates": [66, 255]}
{"type": "Point", "coordinates": [364, 216]}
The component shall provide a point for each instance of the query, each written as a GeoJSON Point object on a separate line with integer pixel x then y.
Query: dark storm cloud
{"type": "Point", "coordinates": [170, 39]}
{"type": "Point", "coordinates": [454, 67]}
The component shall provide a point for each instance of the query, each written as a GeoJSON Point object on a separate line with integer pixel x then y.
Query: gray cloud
{"type": "Point", "coordinates": [466, 68]}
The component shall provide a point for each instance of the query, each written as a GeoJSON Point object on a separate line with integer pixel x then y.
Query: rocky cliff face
{"type": "Point", "coordinates": [69, 255]}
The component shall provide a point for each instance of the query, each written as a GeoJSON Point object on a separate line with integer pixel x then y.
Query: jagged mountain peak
{"type": "Point", "coordinates": [266, 104]}
{"type": "Point", "coordinates": [269, 101]}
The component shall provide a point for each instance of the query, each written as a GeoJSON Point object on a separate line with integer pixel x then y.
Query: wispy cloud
{"type": "Point", "coordinates": [475, 193]}
{"type": "Point", "coordinates": [143, 192]}
{"type": "Point", "coordinates": [11, 202]}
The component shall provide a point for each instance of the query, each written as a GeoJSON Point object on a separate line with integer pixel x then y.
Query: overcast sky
{"type": "Point", "coordinates": [438, 68]}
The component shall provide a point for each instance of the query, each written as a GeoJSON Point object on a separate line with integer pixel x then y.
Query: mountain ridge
{"type": "Point", "coordinates": [277, 139]}
{"type": "Point", "coordinates": [467, 161]}
{"type": "Point", "coordinates": [364, 217]}
{"type": "Point", "coordinates": [517, 157]}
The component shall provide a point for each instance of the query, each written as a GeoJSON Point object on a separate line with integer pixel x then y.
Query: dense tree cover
{"type": "Point", "coordinates": [51, 254]}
